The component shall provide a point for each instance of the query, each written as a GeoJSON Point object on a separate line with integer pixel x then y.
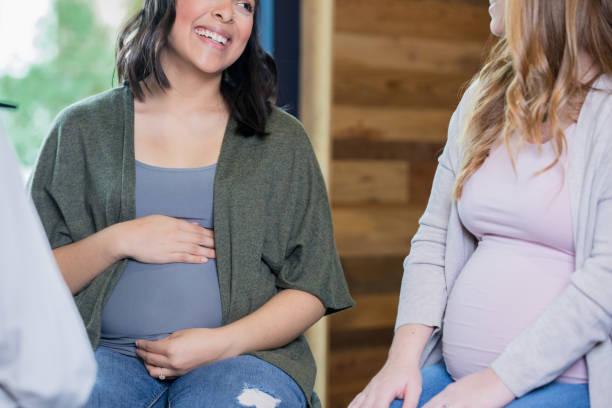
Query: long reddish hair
{"type": "Point", "coordinates": [531, 76]}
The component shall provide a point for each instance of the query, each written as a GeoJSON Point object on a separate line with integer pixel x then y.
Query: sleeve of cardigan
{"type": "Point", "coordinates": [311, 261]}
{"type": "Point", "coordinates": [42, 331]}
{"type": "Point", "coordinates": [573, 324]}
{"type": "Point", "coordinates": [40, 185]}
{"type": "Point", "coordinates": [423, 291]}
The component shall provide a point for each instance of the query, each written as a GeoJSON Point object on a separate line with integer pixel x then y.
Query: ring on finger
{"type": "Point", "coordinates": [161, 374]}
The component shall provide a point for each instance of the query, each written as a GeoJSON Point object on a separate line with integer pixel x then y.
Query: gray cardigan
{"type": "Point", "coordinates": [579, 321]}
{"type": "Point", "coordinates": [273, 227]}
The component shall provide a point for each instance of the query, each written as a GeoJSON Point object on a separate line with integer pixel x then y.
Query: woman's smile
{"type": "Point", "coordinates": [210, 35]}
{"type": "Point", "coordinates": [217, 38]}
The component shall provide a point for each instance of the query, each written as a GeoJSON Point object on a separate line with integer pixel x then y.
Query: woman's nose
{"type": "Point", "coordinates": [224, 11]}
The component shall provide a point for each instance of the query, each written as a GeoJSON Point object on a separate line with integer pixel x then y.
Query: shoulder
{"type": "Point", "coordinates": [600, 97]}
{"type": "Point", "coordinates": [92, 124]}
{"type": "Point", "coordinates": [458, 124]}
{"type": "Point", "coordinates": [468, 100]}
{"type": "Point", "coordinates": [604, 83]}
{"type": "Point", "coordinates": [463, 112]}
{"type": "Point", "coordinates": [285, 131]}
{"type": "Point", "coordinates": [596, 112]}
{"type": "Point", "coordinates": [286, 146]}
{"type": "Point", "coordinates": [101, 106]}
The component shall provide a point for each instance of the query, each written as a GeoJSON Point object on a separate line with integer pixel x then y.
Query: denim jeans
{"type": "Point", "coordinates": [243, 381]}
{"type": "Point", "coordinates": [553, 395]}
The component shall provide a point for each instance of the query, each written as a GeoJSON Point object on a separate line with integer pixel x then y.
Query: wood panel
{"type": "Point", "coordinates": [351, 369]}
{"type": "Point", "coordinates": [421, 179]}
{"type": "Point", "coordinates": [399, 69]}
{"type": "Point", "coordinates": [390, 123]}
{"type": "Point", "coordinates": [385, 87]}
{"type": "Point", "coordinates": [370, 181]}
{"type": "Point", "coordinates": [354, 364]}
{"type": "Point", "coordinates": [406, 53]}
{"type": "Point", "coordinates": [345, 339]}
{"type": "Point", "coordinates": [375, 230]}
{"type": "Point", "coordinates": [413, 152]}
{"type": "Point", "coordinates": [450, 20]}
{"type": "Point", "coordinates": [373, 274]}
{"type": "Point", "coordinates": [370, 312]}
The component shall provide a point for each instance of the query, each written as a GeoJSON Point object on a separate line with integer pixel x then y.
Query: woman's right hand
{"type": "Point", "coordinates": [400, 377]}
{"type": "Point", "coordinates": [159, 239]}
{"type": "Point", "coordinates": [395, 380]}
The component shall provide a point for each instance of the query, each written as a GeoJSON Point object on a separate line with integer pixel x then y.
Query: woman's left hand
{"type": "Point", "coordinates": [483, 389]}
{"type": "Point", "coordinates": [183, 351]}
{"type": "Point", "coordinates": [278, 322]}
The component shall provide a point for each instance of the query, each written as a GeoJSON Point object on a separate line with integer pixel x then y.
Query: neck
{"type": "Point", "coordinates": [191, 90]}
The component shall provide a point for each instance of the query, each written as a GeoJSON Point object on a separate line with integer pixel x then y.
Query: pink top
{"type": "Point", "coordinates": [523, 261]}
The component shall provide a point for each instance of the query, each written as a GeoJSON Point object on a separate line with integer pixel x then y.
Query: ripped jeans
{"type": "Point", "coordinates": [243, 381]}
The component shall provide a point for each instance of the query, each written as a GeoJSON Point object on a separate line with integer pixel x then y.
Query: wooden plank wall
{"type": "Point", "coordinates": [399, 66]}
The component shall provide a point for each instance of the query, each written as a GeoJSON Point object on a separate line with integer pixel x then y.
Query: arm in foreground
{"type": "Point", "coordinates": [46, 357]}
{"type": "Point", "coordinates": [278, 322]}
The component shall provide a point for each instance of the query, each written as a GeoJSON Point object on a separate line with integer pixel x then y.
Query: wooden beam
{"type": "Point", "coordinates": [316, 75]}
{"type": "Point", "coordinates": [315, 107]}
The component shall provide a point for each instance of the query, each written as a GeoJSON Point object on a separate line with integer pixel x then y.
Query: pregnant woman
{"type": "Point", "coordinates": [190, 220]}
{"type": "Point", "coordinates": [506, 295]}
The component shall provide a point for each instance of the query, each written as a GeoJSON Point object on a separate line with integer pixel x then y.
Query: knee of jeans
{"type": "Point", "coordinates": [256, 398]}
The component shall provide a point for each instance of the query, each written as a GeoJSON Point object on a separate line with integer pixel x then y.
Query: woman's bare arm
{"type": "Point", "coordinates": [153, 239]}
{"type": "Point", "coordinates": [278, 322]}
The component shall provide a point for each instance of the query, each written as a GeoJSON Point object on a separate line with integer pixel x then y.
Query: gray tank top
{"type": "Point", "coordinates": [152, 301]}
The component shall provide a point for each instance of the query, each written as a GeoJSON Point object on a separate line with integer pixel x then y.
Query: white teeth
{"type": "Point", "coordinates": [212, 35]}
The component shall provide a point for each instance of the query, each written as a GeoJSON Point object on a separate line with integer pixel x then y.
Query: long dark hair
{"type": "Point", "coordinates": [249, 86]}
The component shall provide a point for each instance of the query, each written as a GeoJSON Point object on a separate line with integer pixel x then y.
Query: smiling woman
{"type": "Point", "coordinates": [200, 245]}
{"type": "Point", "coordinates": [141, 49]}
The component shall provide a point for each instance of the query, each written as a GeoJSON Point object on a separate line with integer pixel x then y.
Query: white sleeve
{"type": "Point", "coordinates": [45, 357]}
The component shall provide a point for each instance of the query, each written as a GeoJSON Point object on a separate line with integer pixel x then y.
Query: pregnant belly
{"type": "Point", "coordinates": [504, 288]}
{"type": "Point", "coordinates": [153, 300]}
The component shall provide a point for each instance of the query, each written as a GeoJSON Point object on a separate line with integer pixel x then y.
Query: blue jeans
{"type": "Point", "coordinates": [243, 381]}
{"type": "Point", "coordinates": [553, 395]}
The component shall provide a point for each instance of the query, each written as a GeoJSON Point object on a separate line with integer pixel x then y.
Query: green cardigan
{"type": "Point", "coordinates": [272, 221]}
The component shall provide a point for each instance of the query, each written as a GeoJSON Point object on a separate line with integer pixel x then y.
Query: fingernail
{"type": "Point", "coordinates": [204, 260]}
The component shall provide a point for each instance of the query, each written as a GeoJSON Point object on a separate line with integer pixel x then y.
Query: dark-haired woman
{"type": "Point", "coordinates": [130, 185]}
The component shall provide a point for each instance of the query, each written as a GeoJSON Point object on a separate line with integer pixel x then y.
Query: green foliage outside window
{"type": "Point", "coordinates": [81, 64]}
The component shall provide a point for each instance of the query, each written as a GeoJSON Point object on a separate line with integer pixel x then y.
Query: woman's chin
{"type": "Point", "coordinates": [497, 28]}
